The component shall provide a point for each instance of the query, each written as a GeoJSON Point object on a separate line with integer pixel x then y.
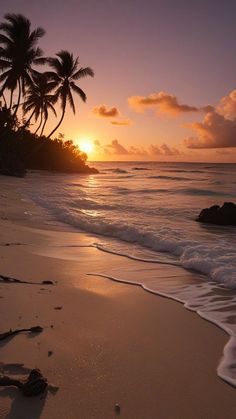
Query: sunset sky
{"type": "Point", "coordinates": [165, 74]}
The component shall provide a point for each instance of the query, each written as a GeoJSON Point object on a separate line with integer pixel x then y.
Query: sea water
{"type": "Point", "coordinates": [147, 211]}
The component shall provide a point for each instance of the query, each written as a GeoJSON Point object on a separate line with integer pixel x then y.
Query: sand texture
{"type": "Point", "coordinates": [103, 342]}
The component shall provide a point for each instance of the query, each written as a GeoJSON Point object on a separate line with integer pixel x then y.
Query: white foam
{"type": "Point", "coordinates": [150, 219]}
{"type": "Point", "coordinates": [217, 261]}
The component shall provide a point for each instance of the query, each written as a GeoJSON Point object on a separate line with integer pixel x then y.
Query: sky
{"type": "Point", "coordinates": [165, 75]}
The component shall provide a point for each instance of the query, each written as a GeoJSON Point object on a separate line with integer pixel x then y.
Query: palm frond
{"type": "Point", "coordinates": [83, 72]}
{"type": "Point", "coordinates": [40, 60]}
{"type": "Point", "coordinates": [27, 107]}
{"type": "Point", "coordinates": [5, 40]}
{"type": "Point", "coordinates": [50, 106]}
{"type": "Point", "coordinates": [4, 75]}
{"type": "Point", "coordinates": [35, 35]}
{"type": "Point", "coordinates": [79, 91]}
{"type": "Point", "coordinates": [55, 64]}
{"type": "Point", "coordinates": [52, 75]}
{"type": "Point", "coordinates": [71, 101]}
{"type": "Point", "coordinates": [4, 64]}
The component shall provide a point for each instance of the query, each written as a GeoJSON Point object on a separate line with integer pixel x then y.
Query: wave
{"type": "Point", "coordinates": [183, 170]}
{"type": "Point", "coordinates": [132, 257]}
{"type": "Point", "coordinates": [174, 191]}
{"type": "Point", "coordinates": [169, 177]}
{"type": "Point", "coordinates": [140, 168]}
{"type": "Point", "coordinates": [116, 170]}
{"type": "Point", "coordinates": [127, 191]}
{"type": "Point", "coordinates": [217, 261]}
{"type": "Point", "coordinates": [208, 192]}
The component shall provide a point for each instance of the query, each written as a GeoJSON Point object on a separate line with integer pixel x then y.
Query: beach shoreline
{"type": "Point", "coordinates": [111, 343]}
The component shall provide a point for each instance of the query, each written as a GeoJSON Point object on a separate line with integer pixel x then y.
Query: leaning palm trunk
{"type": "Point", "coordinates": [43, 126]}
{"type": "Point", "coordinates": [59, 123]}
{"type": "Point", "coordinates": [40, 123]}
{"type": "Point", "coordinates": [5, 102]}
{"type": "Point", "coordinates": [29, 119]}
{"type": "Point", "coordinates": [11, 98]}
{"type": "Point", "coordinates": [18, 100]}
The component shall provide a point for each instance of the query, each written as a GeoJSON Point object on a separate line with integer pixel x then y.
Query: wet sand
{"type": "Point", "coordinates": [109, 342]}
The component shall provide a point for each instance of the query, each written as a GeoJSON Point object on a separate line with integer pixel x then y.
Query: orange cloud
{"type": "Point", "coordinates": [105, 112]}
{"type": "Point", "coordinates": [163, 102]}
{"type": "Point", "coordinates": [121, 122]}
{"type": "Point", "coordinates": [164, 150]}
{"type": "Point", "coordinates": [215, 131]}
{"type": "Point", "coordinates": [218, 129]}
{"type": "Point", "coordinates": [116, 148]}
{"type": "Point", "coordinates": [227, 105]}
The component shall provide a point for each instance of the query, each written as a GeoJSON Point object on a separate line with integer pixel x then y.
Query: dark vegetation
{"type": "Point", "coordinates": [27, 95]}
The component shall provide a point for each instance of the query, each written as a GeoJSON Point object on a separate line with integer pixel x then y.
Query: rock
{"type": "Point", "coordinates": [225, 215]}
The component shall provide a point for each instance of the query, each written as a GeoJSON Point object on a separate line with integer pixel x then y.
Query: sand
{"type": "Point", "coordinates": [109, 342]}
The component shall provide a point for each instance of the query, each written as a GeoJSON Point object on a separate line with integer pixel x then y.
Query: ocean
{"type": "Point", "coordinates": [147, 211]}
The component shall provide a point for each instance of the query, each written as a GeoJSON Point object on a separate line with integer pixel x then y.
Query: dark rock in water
{"type": "Point", "coordinates": [225, 215]}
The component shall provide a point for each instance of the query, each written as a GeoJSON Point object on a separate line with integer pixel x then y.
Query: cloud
{"type": "Point", "coordinates": [163, 102]}
{"type": "Point", "coordinates": [227, 105]}
{"type": "Point", "coordinates": [117, 148]}
{"type": "Point", "coordinates": [104, 112]}
{"type": "Point", "coordinates": [97, 143]}
{"type": "Point", "coordinates": [164, 150]}
{"type": "Point", "coordinates": [138, 151]}
{"type": "Point", "coordinates": [214, 132]}
{"type": "Point", "coordinates": [121, 122]}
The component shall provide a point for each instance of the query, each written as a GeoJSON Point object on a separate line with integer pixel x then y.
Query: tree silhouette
{"type": "Point", "coordinates": [38, 99]}
{"type": "Point", "coordinates": [65, 74]}
{"type": "Point", "coordinates": [18, 52]}
{"type": "Point", "coordinates": [19, 148]}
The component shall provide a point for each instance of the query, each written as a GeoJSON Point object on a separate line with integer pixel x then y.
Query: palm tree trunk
{"type": "Point", "coordinates": [29, 119]}
{"type": "Point", "coordinates": [43, 126]}
{"type": "Point", "coordinates": [10, 105]}
{"type": "Point", "coordinates": [59, 123]}
{"type": "Point", "coordinates": [40, 123]}
{"type": "Point", "coordinates": [5, 102]}
{"type": "Point", "coordinates": [18, 100]}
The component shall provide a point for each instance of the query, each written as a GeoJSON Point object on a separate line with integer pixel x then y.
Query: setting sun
{"type": "Point", "coordinates": [86, 146]}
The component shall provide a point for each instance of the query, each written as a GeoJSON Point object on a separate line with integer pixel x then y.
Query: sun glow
{"type": "Point", "coordinates": [86, 145]}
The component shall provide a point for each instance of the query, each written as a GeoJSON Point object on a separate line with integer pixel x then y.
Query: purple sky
{"type": "Point", "coordinates": [138, 48]}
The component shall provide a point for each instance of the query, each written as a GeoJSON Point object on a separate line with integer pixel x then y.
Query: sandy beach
{"type": "Point", "coordinates": [103, 342]}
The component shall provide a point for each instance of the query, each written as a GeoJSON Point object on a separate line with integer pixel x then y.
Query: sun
{"type": "Point", "coordinates": [86, 145]}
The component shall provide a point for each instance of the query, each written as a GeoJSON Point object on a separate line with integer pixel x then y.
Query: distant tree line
{"type": "Point", "coordinates": [28, 95]}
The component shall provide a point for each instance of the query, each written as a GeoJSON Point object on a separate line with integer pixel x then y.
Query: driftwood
{"type": "Point", "coordinates": [34, 329]}
{"type": "Point", "coordinates": [36, 383]}
{"type": "Point", "coordinates": [11, 280]}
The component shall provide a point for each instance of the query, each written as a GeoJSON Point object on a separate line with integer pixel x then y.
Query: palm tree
{"type": "Point", "coordinates": [38, 100]}
{"type": "Point", "coordinates": [65, 74]}
{"type": "Point", "coordinates": [18, 52]}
